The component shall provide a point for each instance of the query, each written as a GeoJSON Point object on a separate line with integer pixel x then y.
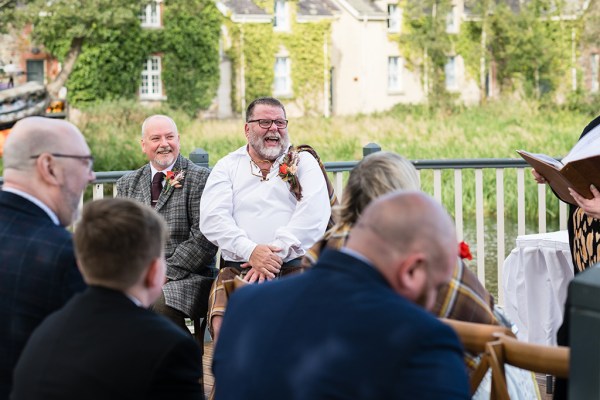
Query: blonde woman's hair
{"type": "Point", "coordinates": [375, 175]}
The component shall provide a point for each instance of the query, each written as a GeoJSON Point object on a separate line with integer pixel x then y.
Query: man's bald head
{"type": "Point", "coordinates": [50, 160]}
{"type": "Point", "coordinates": [35, 135]}
{"type": "Point", "coordinates": [406, 232]}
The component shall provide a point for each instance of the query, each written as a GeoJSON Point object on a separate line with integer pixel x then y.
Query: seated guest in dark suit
{"type": "Point", "coordinates": [464, 297]}
{"type": "Point", "coordinates": [355, 326]}
{"type": "Point", "coordinates": [47, 165]}
{"type": "Point", "coordinates": [104, 343]}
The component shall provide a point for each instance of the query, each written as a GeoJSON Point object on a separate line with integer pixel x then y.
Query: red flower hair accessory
{"type": "Point", "coordinates": [464, 251]}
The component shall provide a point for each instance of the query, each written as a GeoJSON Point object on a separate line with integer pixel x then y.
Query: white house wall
{"type": "Point", "coordinates": [359, 57]}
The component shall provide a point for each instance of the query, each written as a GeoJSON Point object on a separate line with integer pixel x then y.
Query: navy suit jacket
{"type": "Point", "coordinates": [100, 345]}
{"type": "Point", "coordinates": [38, 274]}
{"type": "Point", "coordinates": [337, 331]}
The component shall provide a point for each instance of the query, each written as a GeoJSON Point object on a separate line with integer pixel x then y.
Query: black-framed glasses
{"type": "Point", "coordinates": [266, 123]}
{"type": "Point", "coordinates": [89, 160]}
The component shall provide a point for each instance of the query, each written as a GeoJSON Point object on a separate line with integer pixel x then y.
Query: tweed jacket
{"type": "Point", "coordinates": [190, 256]}
{"type": "Point", "coordinates": [38, 274]}
{"type": "Point", "coordinates": [100, 346]}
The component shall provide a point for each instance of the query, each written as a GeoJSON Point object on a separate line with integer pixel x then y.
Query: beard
{"type": "Point", "coordinates": [164, 160]}
{"type": "Point", "coordinates": [269, 153]}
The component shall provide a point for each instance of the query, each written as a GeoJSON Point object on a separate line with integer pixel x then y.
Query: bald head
{"type": "Point", "coordinates": [35, 135]}
{"type": "Point", "coordinates": [404, 233]}
{"type": "Point", "coordinates": [50, 160]}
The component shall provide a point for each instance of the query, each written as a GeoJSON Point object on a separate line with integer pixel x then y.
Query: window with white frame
{"type": "Point", "coordinates": [283, 79]}
{"type": "Point", "coordinates": [595, 60]}
{"type": "Point", "coordinates": [151, 87]}
{"type": "Point", "coordinates": [395, 68]}
{"type": "Point", "coordinates": [282, 16]}
{"type": "Point", "coordinates": [394, 18]}
{"type": "Point", "coordinates": [150, 15]}
{"type": "Point", "coordinates": [452, 20]}
{"type": "Point", "coordinates": [450, 71]}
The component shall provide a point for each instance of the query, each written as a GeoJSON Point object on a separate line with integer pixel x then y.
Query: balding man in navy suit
{"type": "Point", "coordinates": [47, 165]}
{"type": "Point", "coordinates": [357, 325]}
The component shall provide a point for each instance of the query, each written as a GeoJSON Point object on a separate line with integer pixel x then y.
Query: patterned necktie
{"type": "Point", "coordinates": [156, 187]}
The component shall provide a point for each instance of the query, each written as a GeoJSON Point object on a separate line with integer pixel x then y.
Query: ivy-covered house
{"type": "Point", "coordinates": [277, 48]}
{"type": "Point", "coordinates": [153, 51]}
{"type": "Point", "coordinates": [327, 57]}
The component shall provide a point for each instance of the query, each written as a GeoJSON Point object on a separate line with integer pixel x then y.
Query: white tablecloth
{"type": "Point", "coordinates": [535, 279]}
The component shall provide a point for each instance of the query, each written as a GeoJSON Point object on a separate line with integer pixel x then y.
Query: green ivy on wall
{"type": "Point", "coordinates": [110, 68]}
{"type": "Point", "coordinates": [260, 44]}
{"type": "Point", "coordinates": [191, 54]}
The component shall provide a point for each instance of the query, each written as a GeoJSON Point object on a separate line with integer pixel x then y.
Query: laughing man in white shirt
{"type": "Point", "coordinates": [264, 205]}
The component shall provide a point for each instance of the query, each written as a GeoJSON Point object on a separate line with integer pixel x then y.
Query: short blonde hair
{"type": "Point", "coordinates": [375, 175]}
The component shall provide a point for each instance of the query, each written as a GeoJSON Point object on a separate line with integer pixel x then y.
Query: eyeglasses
{"type": "Point", "coordinates": [266, 123]}
{"type": "Point", "coordinates": [89, 160]}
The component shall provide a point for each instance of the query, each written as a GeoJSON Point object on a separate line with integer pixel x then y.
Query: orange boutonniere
{"type": "Point", "coordinates": [464, 251]}
{"type": "Point", "coordinates": [174, 179]}
{"type": "Point", "coordinates": [287, 171]}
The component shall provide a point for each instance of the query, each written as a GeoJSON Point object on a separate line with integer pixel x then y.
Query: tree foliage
{"type": "Point", "coordinates": [426, 43]}
{"type": "Point", "coordinates": [527, 45]}
{"type": "Point", "coordinates": [7, 11]}
{"type": "Point", "coordinates": [102, 48]}
{"type": "Point", "coordinates": [530, 46]}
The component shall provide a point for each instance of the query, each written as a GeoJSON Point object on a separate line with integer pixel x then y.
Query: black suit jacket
{"type": "Point", "coordinates": [102, 346]}
{"type": "Point", "coordinates": [337, 331]}
{"type": "Point", "coordinates": [38, 274]}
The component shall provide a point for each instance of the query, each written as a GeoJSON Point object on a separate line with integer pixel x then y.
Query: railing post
{"type": "Point", "coordinates": [371, 148]}
{"type": "Point", "coordinates": [199, 157]}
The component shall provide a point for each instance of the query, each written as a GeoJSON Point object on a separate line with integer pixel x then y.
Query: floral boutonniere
{"type": "Point", "coordinates": [173, 179]}
{"type": "Point", "coordinates": [464, 251]}
{"type": "Point", "coordinates": [287, 171]}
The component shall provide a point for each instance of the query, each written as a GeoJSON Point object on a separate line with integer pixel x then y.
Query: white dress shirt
{"type": "Point", "coordinates": [238, 210]}
{"type": "Point", "coordinates": [154, 171]}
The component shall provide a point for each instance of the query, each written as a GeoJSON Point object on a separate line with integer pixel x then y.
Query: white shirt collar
{"type": "Point", "coordinates": [356, 254]}
{"type": "Point", "coordinates": [244, 151]}
{"type": "Point", "coordinates": [154, 170]}
{"type": "Point", "coordinates": [35, 201]}
{"type": "Point", "coordinates": [134, 299]}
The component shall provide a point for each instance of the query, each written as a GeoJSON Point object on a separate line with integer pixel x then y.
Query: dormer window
{"type": "Point", "coordinates": [394, 18]}
{"type": "Point", "coordinates": [282, 16]}
{"type": "Point", "coordinates": [150, 15]}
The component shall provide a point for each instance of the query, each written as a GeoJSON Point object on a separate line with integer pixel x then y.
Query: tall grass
{"type": "Point", "coordinates": [494, 130]}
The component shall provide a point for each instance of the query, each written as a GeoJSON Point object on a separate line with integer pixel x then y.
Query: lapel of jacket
{"type": "Point", "coordinates": [168, 191]}
{"type": "Point", "coordinates": [146, 184]}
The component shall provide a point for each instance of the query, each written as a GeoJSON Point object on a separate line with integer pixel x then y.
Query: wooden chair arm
{"type": "Point", "coordinates": [475, 336]}
{"type": "Point", "coordinates": [551, 360]}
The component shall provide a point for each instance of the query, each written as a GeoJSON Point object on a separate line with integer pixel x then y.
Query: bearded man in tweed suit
{"type": "Point", "coordinates": [190, 257]}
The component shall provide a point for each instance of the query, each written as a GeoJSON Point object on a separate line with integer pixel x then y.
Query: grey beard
{"type": "Point", "coordinates": [270, 154]}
